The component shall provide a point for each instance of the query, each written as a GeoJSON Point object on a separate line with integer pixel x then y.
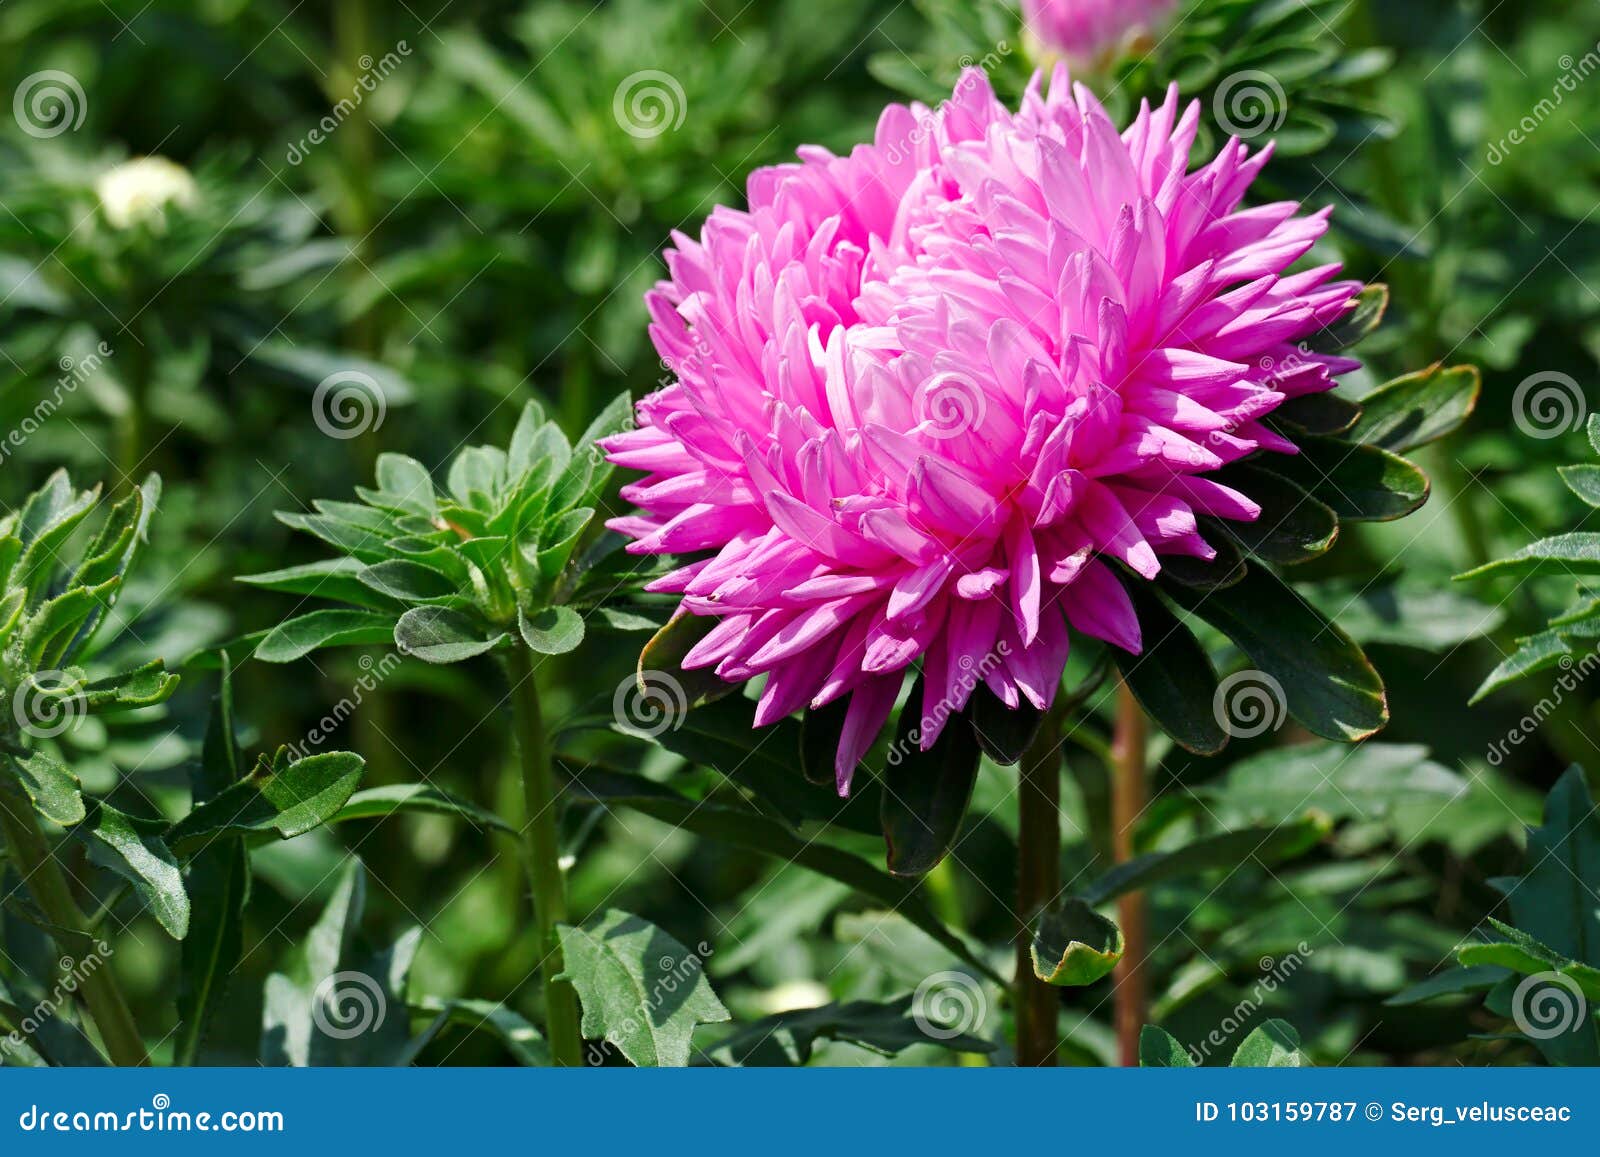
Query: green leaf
{"type": "Point", "coordinates": [1004, 734]}
{"type": "Point", "coordinates": [552, 631]}
{"type": "Point", "coordinates": [1366, 315]}
{"type": "Point", "coordinates": [756, 833]}
{"type": "Point", "coordinates": [1577, 553]}
{"type": "Point", "coordinates": [1274, 1045]}
{"type": "Point", "coordinates": [335, 578]}
{"type": "Point", "coordinates": [1325, 413]}
{"type": "Point", "coordinates": [522, 1040]}
{"type": "Point", "coordinates": [1584, 481]}
{"type": "Point", "coordinates": [298, 637]}
{"type": "Point", "coordinates": [1419, 408]}
{"type": "Point", "coordinates": [819, 741]}
{"type": "Point", "coordinates": [406, 582]}
{"type": "Point", "coordinates": [421, 798]}
{"type": "Point", "coordinates": [1158, 1049]}
{"type": "Point", "coordinates": [55, 791]}
{"type": "Point", "coordinates": [1293, 527]}
{"type": "Point", "coordinates": [661, 667]}
{"type": "Point", "coordinates": [219, 887]}
{"type": "Point", "coordinates": [1449, 982]}
{"type": "Point", "coordinates": [1228, 850]}
{"type": "Point", "coordinates": [1328, 684]}
{"type": "Point", "coordinates": [925, 793]}
{"type": "Point", "coordinates": [145, 862]}
{"type": "Point", "coordinates": [1172, 677]}
{"type": "Point", "coordinates": [1074, 945]}
{"type": "Point", "coordinates": [788, 1038]}
{"type": "Point", "coordinates": [1553, 901]}
{"type": "Point", "coordinates": [640, 989]}
{"type": "Point", "coordinates": [289, 797]}
{"type": "Point", "coordinates": [440, 635]}
{"type": "Point", "coordinates": [1358, 482]}
{"type": "Point", "coordinates": [1364, 782]}
{"type": "Point", "coordinates": [142, 687]}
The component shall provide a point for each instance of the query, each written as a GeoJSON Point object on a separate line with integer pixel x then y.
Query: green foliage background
{"type": "Point", "coordinates": [478, 233]}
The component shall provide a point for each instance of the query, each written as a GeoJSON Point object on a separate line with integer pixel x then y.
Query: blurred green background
{"type": "Point", "coordinates": [453, 203]}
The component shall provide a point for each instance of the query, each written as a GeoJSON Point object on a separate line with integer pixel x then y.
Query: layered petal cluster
{"type": "Point", "coordinates": [937, 400]}
{"type": "Point", "coordinates": [1085, 30]}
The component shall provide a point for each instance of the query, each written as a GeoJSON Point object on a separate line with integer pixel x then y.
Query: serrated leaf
{"type": "Point", "coordinates": [640, 989]}
{"type": "Point", "coordinates": [145, 861]}
{"type": "Point", "coordinates": [55, 791]}
{"type": "Point", "coordinates": [1274, 1045]}
{"type": "Point", "coordinates": [1158, 1049]}
{"type": "Point", "coordinates": [289, 797]}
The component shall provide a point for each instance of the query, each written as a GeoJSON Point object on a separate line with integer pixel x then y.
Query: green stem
{"type": "Point", "coordinates": [1038, 883]}
{"type": "Point", "coordinates": [543, 850]}
{"type": "Point", "coordinates": [35, 861]}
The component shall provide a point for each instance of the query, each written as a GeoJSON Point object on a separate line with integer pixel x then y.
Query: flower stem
{"type": "Point", "coordinates": [542, 846]}
{"type": "Point", "coordinates": [1129, 793]}
{"type": "Point", "coordinates": [1038, 883]}
{"type": "Point", "coordinates": [33, 858]}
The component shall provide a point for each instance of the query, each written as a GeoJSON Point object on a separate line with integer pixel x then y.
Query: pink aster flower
{"type": "Point", "coordinates": [932, 397]}
{"type": "Point", "coordinates": [1086, 30]}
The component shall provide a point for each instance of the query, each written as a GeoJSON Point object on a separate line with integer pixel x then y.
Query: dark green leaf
{"type": "Point", "coordinates": [440, 635]}
{"type": "Point", "coordinates": [289, 797]}
{"type": "Point", "coordinates": [297, 637]}
{"type": "Point", "coordinates": [1172, 677]}
{"type": "Point", "coordinates": [1158, 1049]}
{"type": "Point", "coordinates": [144, 861]}
{"type": "Point", "coordinates": [1418, 408]}
{"type": "Point", "coordinates": [926, 793]}
{"type": "Point", "coordinates": [1074, 945]}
